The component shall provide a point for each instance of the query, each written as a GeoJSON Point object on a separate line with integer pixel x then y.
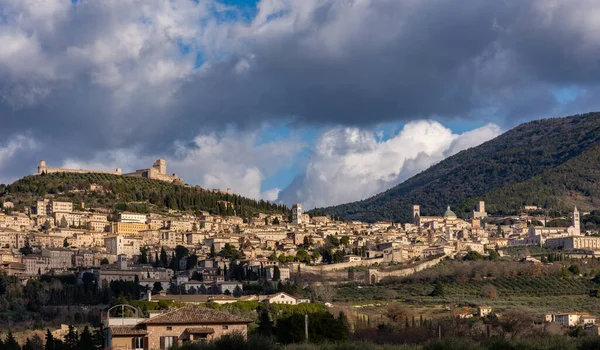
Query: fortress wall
{"type": "Point", "coordinates": [78, 171]}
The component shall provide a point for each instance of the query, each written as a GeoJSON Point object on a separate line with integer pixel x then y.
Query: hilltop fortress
{"type": "Point", "coordinates": [158, 171]}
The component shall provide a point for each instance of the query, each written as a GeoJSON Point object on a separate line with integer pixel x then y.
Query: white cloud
{"type": "Point", "coordinates": [349, 164]}
{"type": "Point", "coordinates": [214, 161]}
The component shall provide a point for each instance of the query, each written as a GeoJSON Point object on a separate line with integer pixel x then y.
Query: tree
{"type": "Point", "coordinates": [438, 290]}
{"type": "Point", "coordinates": [49, 341]}
{"type": "Point", "coordinates": [489, 291]}
{"type": "Point", "coordinates": [86, 340]}
{"type": "Point", "coordinates": [10, 343]}
{"type": "Point", "coordinates": [71, 339]}
{"type": "Point", "coordinates": [302, 255]}
{"type": "Point", "coordinates": [37, 343]}
{"type": "Point", "coordinates": [27, 345]}
{"type": "Point", "coordinates": [276, 221]}
{"type": "Point", "coordinates": [181, 252]}
{"type": "Point", "coordinates": [164, 260]}
{"type": "Point", "coordinates": [65, 243]}
{"type": "Point", "coordinates": [143, 256]}
{"type": "Point", "coordinates": [212, 251]}
{"type": "Point", "coordinates": [63, 222]}
{"type": "Point", "coordinates": [397, 313]}
{"type": "Point", "coordinates": [26, 250]}
{"type": "Point", "coordinates": [157, 288]}
{"type": "Point", "coordinates": [104, 261]}
{"type": "Point", "coordinates": [265, 325]}
{"type": "Point", "coordinates": [276, 273]}
{"type": "Point", "coordinates": [46, 226]}
{"type": "Point", "coordinates": [345, 240]}
{"type": "Point", "coordinates": [238, 292]}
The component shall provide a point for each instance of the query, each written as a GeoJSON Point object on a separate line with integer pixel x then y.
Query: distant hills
{"type": "Point", "coordinates": [552, 163]}
{"type": "Point", "coordinates": [129, 193]}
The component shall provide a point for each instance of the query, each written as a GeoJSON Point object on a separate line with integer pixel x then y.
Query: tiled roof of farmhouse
{"type": "Point", "coordinates": [127, 330]}
{"type": "Point", "coordinates": [196, 315]}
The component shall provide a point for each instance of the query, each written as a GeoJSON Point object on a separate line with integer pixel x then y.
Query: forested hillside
{"type": "Point", "coordinates": [548, 162]}
{"type": "Point", "coordinates": [128, 193]}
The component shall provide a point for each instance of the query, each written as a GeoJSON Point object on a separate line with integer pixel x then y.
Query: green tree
{"type": "Point", "coordinates": [302, 255]}
{"type": "Point", "coordinates": [63, 223]}
{"type": "Point", "coordinates": [276, 273]}
{"type": "Point", "coordinates": [86, 340]}
{"type": "Point", "coordinates": [345, 240]}
{"type": "Point", "coordinates": [438, 290]}
{"type": "Point", "coordinates": [164, 260]}
{"type": "Point", "coordinates": [26, 249]}
{"type": "Point", "coordinates": [71, 339]}
{"type": "Point", "coordinates": [46, 226]}
{"type": "Point", "coordinates": [10, 343]}
{"type": "Point", "coordinates": [143, 256]}
{"type": "Point", "coordinates": [265, 325]}
{"type": "Point", "coordinates": [157, 288]}
{"type": "Point", "coordinates": [237, 292]}
{"type": "Point", "coordinates": [65, 243]}
{"type": "Point", "coordinates": [49, 341]}
{"type": "Point", "coordinates": [212, 251]}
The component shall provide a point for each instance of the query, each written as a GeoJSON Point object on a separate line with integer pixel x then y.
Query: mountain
{"type": "Point", "coordinates": [552, 163]}
{"type": "Point", "coordinates": [129, 193]}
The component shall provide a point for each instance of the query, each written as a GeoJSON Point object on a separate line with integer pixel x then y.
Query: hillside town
{"type": "Point", "coordinates": [192, 259]}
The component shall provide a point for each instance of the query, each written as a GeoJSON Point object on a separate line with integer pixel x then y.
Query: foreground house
{"type": "Point", "coordinates": [179, 326]}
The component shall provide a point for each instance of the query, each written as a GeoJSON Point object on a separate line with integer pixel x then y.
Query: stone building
{"type": "Point", "coordinates": [43, 169]}
{"type": "Point", "coordinates": [175, 327]}
{"type": "Point", "coordinates": [157, 172]}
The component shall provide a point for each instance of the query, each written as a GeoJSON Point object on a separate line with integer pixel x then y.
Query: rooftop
{"type": "Point", "coordinates": [196, 315]}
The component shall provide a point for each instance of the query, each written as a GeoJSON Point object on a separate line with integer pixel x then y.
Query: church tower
{"type": "Point", "coordinates": [416, 214]}
{"type": "Point", "coordinates": [576, 221]}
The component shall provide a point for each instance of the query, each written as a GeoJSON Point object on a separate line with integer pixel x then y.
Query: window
{"type": "Point", "coordinates": [225, 326]}
{"type": "Point", "coordinates": [168, 342]}
{"type": "Point", "coordinates": [169, 328]}
{"type": "Point", "coordinates": [138, 343]}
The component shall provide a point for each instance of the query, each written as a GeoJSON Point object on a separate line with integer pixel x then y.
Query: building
{"type": "Point", "coordinates": [157, 172]}
{"type": "Point", "coordinates": [571, 319]}
{"type": "Point", "coordinates": [43, 169]}
{"type": "Point", "coordinates": [49, 207]}
{"type": "Point", "coordinates": [480, 212]}
{"type": "Point", "coordinates": [297, 214]}
{"type": "Point", "coordinates": [127, 228]}
{"type": "Point", "coordinates": [284, 298]}
{"type": "Point", "coordinates": [125, 245]}
{"type": "Point", "coordinates": [175, 327]}
{"type": "Point", "coordinates": [133, 217]}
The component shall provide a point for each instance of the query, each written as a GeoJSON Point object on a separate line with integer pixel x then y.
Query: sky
{"type": "Point", "coordinates": [319, 102]}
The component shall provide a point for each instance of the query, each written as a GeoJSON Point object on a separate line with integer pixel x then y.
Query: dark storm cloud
{"type": "Point", "coordinates": [93, 78]}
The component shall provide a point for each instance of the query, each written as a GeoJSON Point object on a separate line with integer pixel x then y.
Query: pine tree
{"type": "Point", "coordinates": [164, 260]}
{"type": "Point", "coordinates": [71, 339]}
{"type": "Point", "coordinates": [49, 341]}
{"type": "Point", "coordinates": [86, 341]}
{"type": "Point", "coordinates": [11, 343]}
{"type": "Point", "coordinates": [27, 345]}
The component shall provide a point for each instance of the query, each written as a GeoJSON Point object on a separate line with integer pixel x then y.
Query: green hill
{"type": "Point", "coordinates": [552, 163]}
{"type": "Point", "coordinates": [128, 193]}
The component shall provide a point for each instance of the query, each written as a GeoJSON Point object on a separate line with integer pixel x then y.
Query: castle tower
{"type": "Point", "coordinates": [416, 213]}
{"type": "Point", "coordinates": [42, 167]}
{"type": "Point", "coordinates": [160, 165]}
{"type": "Point", "coordinates": [297, 214]}
{"type": "Point", "coordinates": [576, 221]}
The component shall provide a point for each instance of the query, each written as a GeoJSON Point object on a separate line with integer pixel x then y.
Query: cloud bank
{"type": "Point", "coordinates": [349, 164]}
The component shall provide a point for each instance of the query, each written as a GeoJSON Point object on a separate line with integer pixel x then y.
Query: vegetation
{"type": "Point", "coordinates": [550, 163]}
{"type": "Point", "coordinates": [132, 194]}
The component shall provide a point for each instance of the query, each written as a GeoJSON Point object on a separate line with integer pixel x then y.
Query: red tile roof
{"type": "Point", "coordinates": [196, 315]}
{"type": "Point", "coordinates": [126, 330]}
